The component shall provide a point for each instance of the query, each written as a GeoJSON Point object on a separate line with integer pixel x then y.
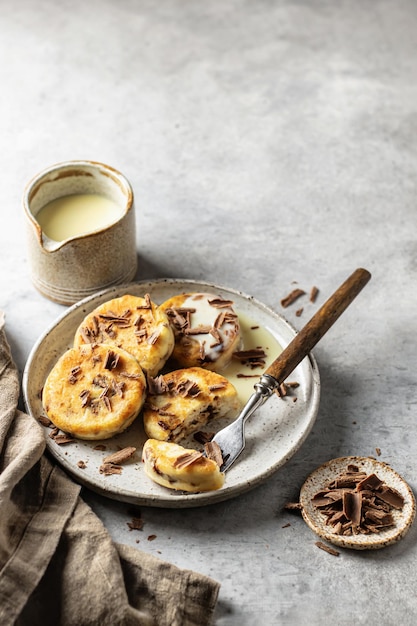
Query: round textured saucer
{"type": "Point", "coordinates": [277, 433]}
{"type": "Point", "coordinates": [323, 475]}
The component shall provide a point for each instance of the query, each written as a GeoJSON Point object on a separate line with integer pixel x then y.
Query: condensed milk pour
{"type": "Point", "coordinates": [81, 230]}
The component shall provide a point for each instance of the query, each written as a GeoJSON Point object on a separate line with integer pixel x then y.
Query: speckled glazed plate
{"type": "Point", "coordinates": [274, 433]}
{"type": "Point", "coordinates": [323, 475]}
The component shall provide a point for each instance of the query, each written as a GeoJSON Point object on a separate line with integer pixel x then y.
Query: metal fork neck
{"type": "Point", "coordinates": [266, 386]}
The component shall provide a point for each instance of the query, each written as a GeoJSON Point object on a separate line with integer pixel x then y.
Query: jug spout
{"type": "Point", "coordinates": [46, 243]}
{"type": "Point", "coordinates": [85, 251]}
{"type": "Point", "coordinates": [49, 245]}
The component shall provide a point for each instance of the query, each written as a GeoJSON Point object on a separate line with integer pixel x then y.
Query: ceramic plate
{"type": "Point", "coordinates": [322, 476]}
{"type": "Point", "coordinates": [274, 433]}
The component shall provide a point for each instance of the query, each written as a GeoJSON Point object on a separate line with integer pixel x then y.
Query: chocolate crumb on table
{"type": "Point", "coordinates": [136, 523]}
{"type": "Point", "coordinates": [327, 548]}
{"type": "Point", "coordinates": [313, 294]}
{"type": "Point", "coordinates": [292, 297]}
{"type": "Point", "coordinates": [293, 506]}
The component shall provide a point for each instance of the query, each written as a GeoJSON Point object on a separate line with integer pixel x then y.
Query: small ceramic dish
{"type": "Point", "coordinates": [323, 475]}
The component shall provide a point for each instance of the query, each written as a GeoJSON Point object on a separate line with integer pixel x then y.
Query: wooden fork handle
{"type": "Point", "coordinates": [318, 325]}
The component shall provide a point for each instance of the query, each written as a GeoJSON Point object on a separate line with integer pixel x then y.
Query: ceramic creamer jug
{"type": "Point", "coordinates": [81, 230]}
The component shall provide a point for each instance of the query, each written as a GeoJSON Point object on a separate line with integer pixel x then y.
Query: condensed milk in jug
{"type": "Point", "coordinates": [81, 230]}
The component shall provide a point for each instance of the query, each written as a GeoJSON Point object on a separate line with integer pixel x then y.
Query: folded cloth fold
{"type": "Point", "coordinates": [58, 563]}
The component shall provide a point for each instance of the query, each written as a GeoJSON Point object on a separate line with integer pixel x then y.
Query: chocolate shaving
{"type": "Point", "coordinates": [254, 358]}
{"type": "Point", "coordinates": [179, 317]}
{"type": "Point", "coordinates": [352, 507]}
{"type": "Point", "coordinates": [107, 403]}
{"type": "Point", "coordinates": [203, 437]}
{"type": "Point", "coordinates": [154, 337]}
{"type": "Point", "coordinates": [197, 330]}
{"type": "Point", "coordinates": [148, 303]}
{"type": "Point", "coordinates": [136, 523]}
{"type": "Point", "coordinates": [293, 506]}
{"type": "Point", "coordinates": [292, 297]}
{"type": "Point", "coordinates": [157, 385]}
{"type": "Point", "coordinates": [285, 389]}
{"type": "Point", "coordinates": [121, 456]}
{"type": "Point", "coordinates": [187, 459]}
{"type": "Point", "coordinates": [164, 412]}
{"type": "Point", "coordinates": [220, 320]}
{"type": "Point", "coordinates": [313, 294]}
{"type": "Point", "coordinates": [217, 336]}
{"type": "Point", "coordinates": [130, 375]}
{"type": "Point", "coordinates": [60, 438]}
{"type": "Point", "coordinates": [355, 502]}
{"type": "Point", "coordinates": [327, 549]}
{"type": "Point", "coordinates": [45, 421]}
{"type": "Point", "coordinates": [112, 360]}
{"type": "Point", "coordinates": [240, 375]}
{"type": "Point", "coordinates": [370, 482]}
{"type": "Point", "coordinates": [87, 335]}
{"type": "Point", "coordinates": [187, 388]}
{"type": "Point", "coordinates": [213, 452]}
{"type": "Point", "coordinates": [74, 375]}
{"type": "Point", "coordinates": [220, 303]}
{"type": "Point", "coordinates": [121, 322]}
{"type": "Point", "coordinates": [118, 388]}
{"type": "Point", "coordinates": [391, 497]}
{"type": "Point", "coordinates": [217, 386]}
{"type": "Point", "coordinates": [100, 381]}
{"type": "Point", "coordinates": [109, 469]}
{"type": "Point", "coordinates": [85, 397]}
{"type": "Point", "coordinates": [161, 410]}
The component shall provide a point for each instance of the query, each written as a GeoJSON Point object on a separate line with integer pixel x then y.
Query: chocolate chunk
{"type": "Point", "coordinates": [391, 497]}
{"type": "Point", "coordinates": [352, 506]}
{"type": "Point", "coordinates": [355, 503]}
{"type": "Point", "coordinates": [370, 482]}
{"type": "Point", "coordinates": [292, 297]}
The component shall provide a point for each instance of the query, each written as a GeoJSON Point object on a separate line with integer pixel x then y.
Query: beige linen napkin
{"type": "Point", "coordinates": [58, 564]}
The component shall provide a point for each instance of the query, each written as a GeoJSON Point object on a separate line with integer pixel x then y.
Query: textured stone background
{"type": "Point", "coordinates": [267, 142]}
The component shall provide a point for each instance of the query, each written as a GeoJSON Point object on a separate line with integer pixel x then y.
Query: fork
{"type": "Point", "coordinates": [231, 439]}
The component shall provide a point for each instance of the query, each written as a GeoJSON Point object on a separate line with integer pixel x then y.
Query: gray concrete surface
{"type": "Point", "coordinates": [267, 142]}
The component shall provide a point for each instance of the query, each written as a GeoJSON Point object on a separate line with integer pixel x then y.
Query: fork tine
{"type": "Point", "coordinates": [231, 439]}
